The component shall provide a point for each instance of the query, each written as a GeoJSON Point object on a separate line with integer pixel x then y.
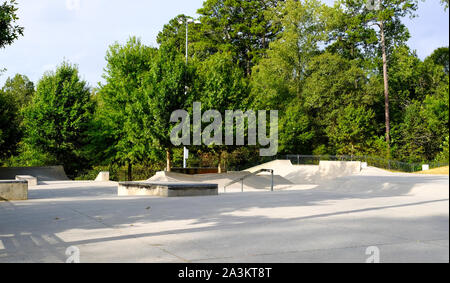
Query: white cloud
{"type": "Point", "coordinates": [73, 5]}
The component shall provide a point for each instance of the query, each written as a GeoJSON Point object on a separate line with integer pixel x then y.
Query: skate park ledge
{"type": "Point", "coordinates": [102, 177]}
{"type": "Point", "coordinates": [32, 181]}
{"type": "Point", "coordinates": [162, 189]}
{"type": "Point", "coordinates": [13, 190]}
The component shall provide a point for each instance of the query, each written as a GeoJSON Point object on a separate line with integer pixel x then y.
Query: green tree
{"type": "Point", "coordinates": [435, 108]}
{"type": "Point", "coordinates": [221, 86]}
{"type": "Point", "coordinates": [332, 84]}
{"type": "Point", "coordinates": [296, 129]}
{"type": "Point", "coordinates": [440, 57]}
{"type": "Point", "coordinates": [405, 82]}
{"type": "Point", "coordinates": [417, 88]}
{"type": "Point", "coordinates": [56, 122]}
{"type": "Point", "coordinates": [443, 156]}
{"type": "Point", "coordinates": [353, 131]}
{"type": "Point", "coordinates": [166, 89]}
{"type": "Point", "coordinates": [17, 93]}
{"type": "Point", "coordinates": [367, 30]}
{"type": "Point", "coordinates": [413, 137]}
{"type": "Point", "coordinates": [9, 126]}
{"type": "Point", "coordinates": [279, 77]}
{"type": "Point", "coordinates": [9, 30]}
{"type": "Point", "coordinates": [174, 34]}
{"type": "Point", "coordinates": [20, 88]}
{"type": "Point", "coordinates": [237, 26]}
{"type": "Point", "coordinates": [117, 136]}
{"type": "Point", "coordinates": [411, 79]}
{"type": "Point", "coordinates": [241, 27]}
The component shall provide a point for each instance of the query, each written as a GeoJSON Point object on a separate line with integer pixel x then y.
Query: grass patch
{"type": "Point", "coordinates": [437, 171]}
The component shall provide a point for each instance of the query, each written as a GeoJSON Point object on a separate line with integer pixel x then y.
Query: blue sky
{"type": "Point", "coordinates": [81, 31]}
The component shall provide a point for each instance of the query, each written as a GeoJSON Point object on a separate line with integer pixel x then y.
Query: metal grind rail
{"type": "Point", "coordinates": [242, 179]}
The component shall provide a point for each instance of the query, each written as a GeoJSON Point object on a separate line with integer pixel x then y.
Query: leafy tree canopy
{"type": "Point", "coordinates": [9, 30]}
{"type": "Point", "coordinates": [58, 117]}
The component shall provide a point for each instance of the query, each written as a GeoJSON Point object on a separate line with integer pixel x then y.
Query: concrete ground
{"type": "Point", "coordinates": [405, 216]}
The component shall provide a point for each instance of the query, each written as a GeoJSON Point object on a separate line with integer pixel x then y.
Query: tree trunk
{"type": "Point", "coordinates": [386, 85]}
{"type": "Point", "coordinates": [130, 171]}
{"type": "Point", "coordinates": [168, 160]}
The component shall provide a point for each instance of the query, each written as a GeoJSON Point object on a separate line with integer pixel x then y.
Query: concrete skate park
{"type": "Point", "coordinates": [332, 212]}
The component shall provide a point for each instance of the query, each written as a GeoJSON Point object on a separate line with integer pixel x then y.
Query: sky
{"type": "Point", "coordinates": [80, 32]}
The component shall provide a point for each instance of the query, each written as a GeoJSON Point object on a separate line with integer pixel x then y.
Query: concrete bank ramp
{"type": "Point", "coordinates": [311, 174]}
{"type": "Point", "coordinates": [43, 174]}
{"type": "Point", "coordinates": [336, 169]}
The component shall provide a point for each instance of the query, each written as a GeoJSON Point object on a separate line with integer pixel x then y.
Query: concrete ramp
{"type": "Point", "coordinates": [279, 167]}
{"type": "Point", "coordinates": [304, 174]}
{"type": "Point", "coordinates": [336, 169]}
{"type": "Point", "coordinates": [310, 174]}
{"type": "Point", "coordinates": [43, 174]}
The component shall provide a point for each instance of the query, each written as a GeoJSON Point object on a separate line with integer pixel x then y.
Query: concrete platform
{"type": "Point", "coordinates": [32, 181]}
{"type": "Point", "coordinates": [165, 189]}
{"type": "Point", "coordinates": [13, 190]}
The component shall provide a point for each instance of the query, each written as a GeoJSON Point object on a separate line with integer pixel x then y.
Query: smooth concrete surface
{"type": "Point", "coordinates": [164, 189]}
{"type": "Point", "coordinates": [32, 181]}
{"type": "Point", "coordinates": [406, 216]}
{"type": "Point", "coordinates": [102, 177]}
{"type": "Point", "coordinates": [13, 190]}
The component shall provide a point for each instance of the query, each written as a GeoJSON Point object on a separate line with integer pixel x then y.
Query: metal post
{"type": "Point", "coordinates": [242, 186]}
{"type": "Point", "coordinates": [272, 183]}
{"type": "Point", "coordinates": [187, 30]}
{"type": "Point", "coordinates": [185, 88]}
{"type": "Point", "coordinates": [187, 21]}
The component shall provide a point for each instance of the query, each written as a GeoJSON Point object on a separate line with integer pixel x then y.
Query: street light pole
{"type": "Point", "coordinates": [187, 40]}
{"type": "Point", "coordinates": [187, 21]}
